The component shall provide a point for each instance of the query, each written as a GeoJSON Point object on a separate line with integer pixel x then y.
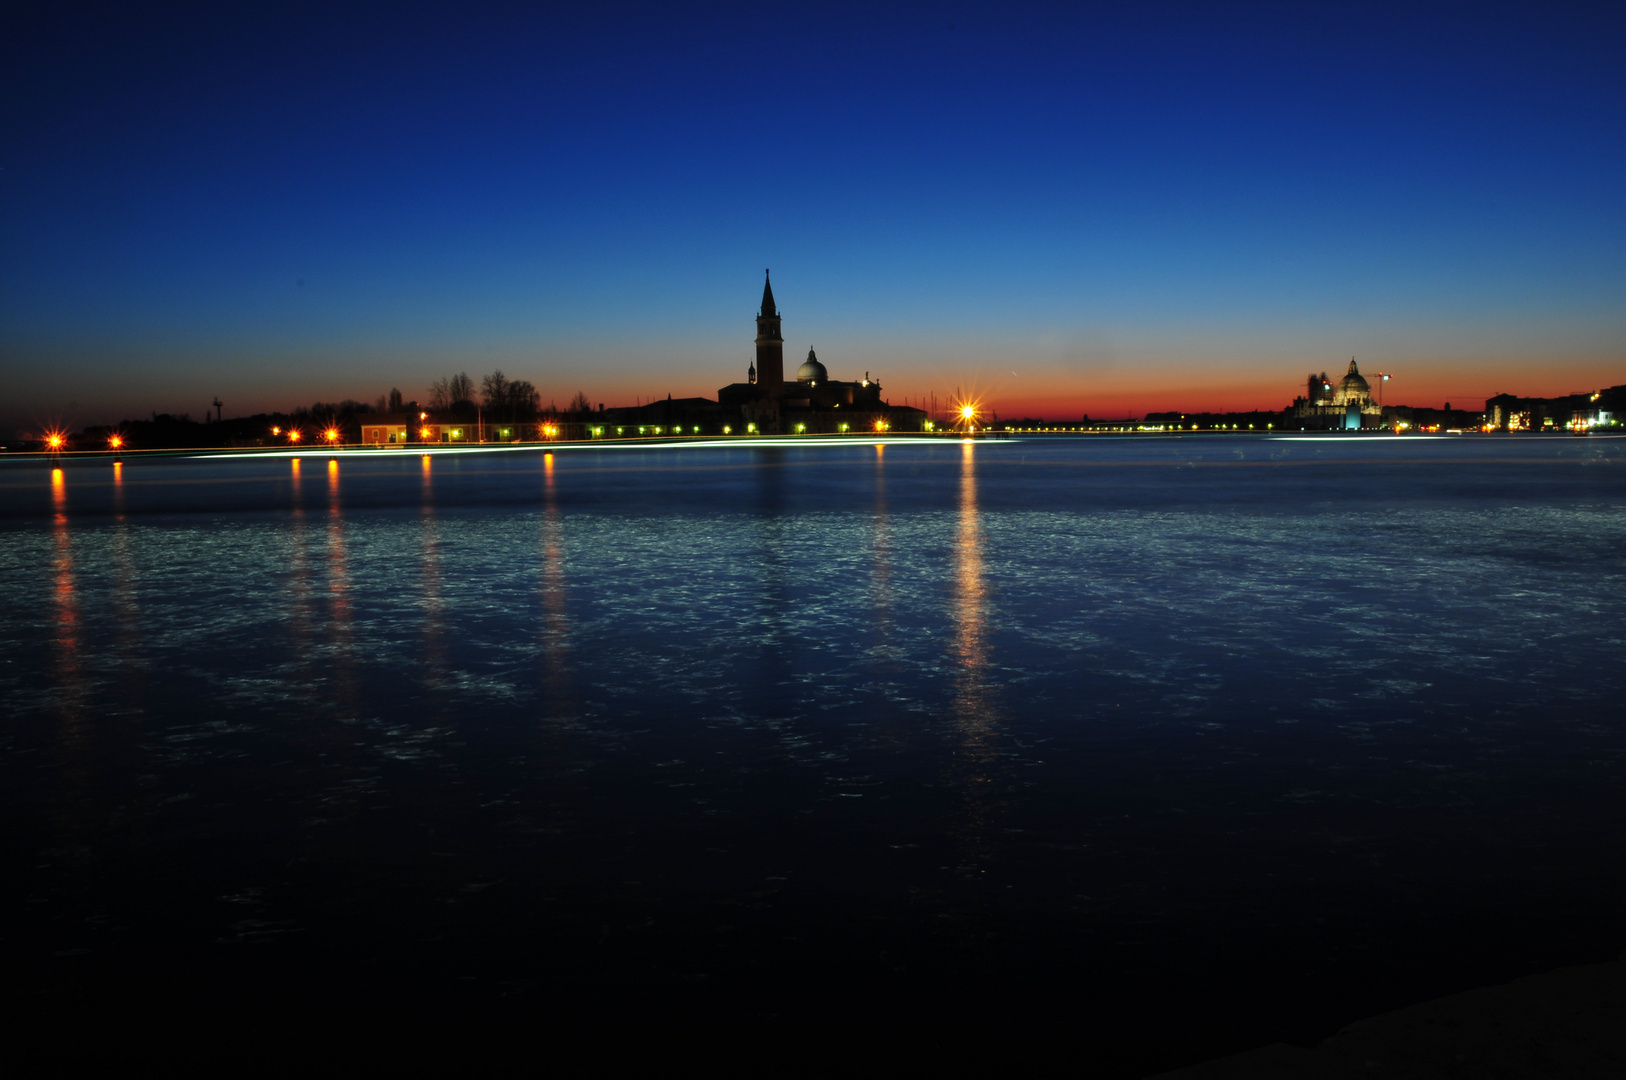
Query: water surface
{"type": "Point", "coordinates": [1175, 745]}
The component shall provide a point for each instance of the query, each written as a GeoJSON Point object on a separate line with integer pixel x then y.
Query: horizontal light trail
{"type": "Point", "coordinates": [438, 450]}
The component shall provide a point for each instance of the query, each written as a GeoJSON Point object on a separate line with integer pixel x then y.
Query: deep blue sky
{"type": "Point", "coordinates": [1110, 210]}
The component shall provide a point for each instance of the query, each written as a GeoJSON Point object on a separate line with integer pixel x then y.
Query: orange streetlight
{"type": "Point", "coordinates": [331, 435]}
{"type": "Point", "coordinates": [293, 434]}
{"type": "Point", "coordinates": [115, 441]}
{"type": "Point", "coordinates": [967, 415]}
{"type": "Point", "coordinates": [55, 439]}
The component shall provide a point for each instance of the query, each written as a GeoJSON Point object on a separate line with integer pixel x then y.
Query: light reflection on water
{"type": "Point", "coordinates": [959, 704]}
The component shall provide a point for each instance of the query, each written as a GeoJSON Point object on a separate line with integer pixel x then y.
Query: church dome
{"type": "Point", "coordinates": [811, 370]}
{"type": "Point", "coordinates": [1353, 387]}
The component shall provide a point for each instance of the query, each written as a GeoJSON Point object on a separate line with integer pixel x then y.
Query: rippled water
{"type": "Point", "coordinates": [1181, 744]}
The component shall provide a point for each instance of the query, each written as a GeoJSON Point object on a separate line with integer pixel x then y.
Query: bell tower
{"type": "Point", "coordinates": [770, 346]}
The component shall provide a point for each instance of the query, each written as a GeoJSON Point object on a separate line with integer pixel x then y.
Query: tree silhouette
{"type": "Point", "coordinates": [495, 388]}
{"type": "Point", "coordinates": [461, 388]}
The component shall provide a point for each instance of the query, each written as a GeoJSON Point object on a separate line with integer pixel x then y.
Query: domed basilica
{"type": "Point", "coordinates": [1348, 406]}
{"type": "Point", "coordinates": [812, 402]}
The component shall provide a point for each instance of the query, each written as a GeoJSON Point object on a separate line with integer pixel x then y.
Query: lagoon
{"type": "Point", "coordinates": [1179, 745]}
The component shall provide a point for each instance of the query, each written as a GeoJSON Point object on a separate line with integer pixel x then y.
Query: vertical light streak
{"type": "Point", "coordinates": [74, 800]}
{"type": "Point", "coordinates": [126, 606]}
{"type": "Point", "coordinates": [881, 590]}
{"type": "Point", "coordinates": [300, 618]}
{"type": "Point", "coordinates": [973, 704]}
{"type": "Point", "coordinates": [431, 582]}
{"type": "Point", "coordinates": [975, 712]}
{"type": "Point", "coordinates": [340, 618]}
{"type": "Point", "coordinates": [66, 612]}
{"type": "Point", "coordinates": [555, 616]}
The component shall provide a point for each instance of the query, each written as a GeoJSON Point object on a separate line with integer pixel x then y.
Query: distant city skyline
{"type": "Point", "coordinates": [1105, 212]}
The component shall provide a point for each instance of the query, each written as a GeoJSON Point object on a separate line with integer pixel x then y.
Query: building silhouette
{"type": "Point", "coordinates": [812, 402]}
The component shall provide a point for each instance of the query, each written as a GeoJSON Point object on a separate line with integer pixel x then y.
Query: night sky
{"type": "Point", "coordinates": [1106, 211]}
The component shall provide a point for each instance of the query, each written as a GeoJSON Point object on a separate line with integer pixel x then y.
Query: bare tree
{"type": "Point", "coordinates": [496, 389]}
{"type": "Point", "coordinates": [523, 399]}
{"type": "Point", "coordinates": [579, 405]}
{"type": "Point", "coordinates": [461, 388]}
{"type": "Point", "coordinates": [397, 403]}
{"type": "Point", "coordinates": [440, 394]}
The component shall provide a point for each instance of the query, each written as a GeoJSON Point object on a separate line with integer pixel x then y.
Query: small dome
{"type": "Point", "coordinates": [1353, 383]}
{"type": "Point", "coordinates": [811, 370]}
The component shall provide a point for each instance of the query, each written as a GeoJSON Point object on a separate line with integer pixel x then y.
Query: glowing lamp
{"type": "Point", "coordinates": [115, 441]}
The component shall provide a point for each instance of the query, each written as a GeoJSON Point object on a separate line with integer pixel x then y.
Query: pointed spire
{"type": "Point", "coordinates": [767, 296]}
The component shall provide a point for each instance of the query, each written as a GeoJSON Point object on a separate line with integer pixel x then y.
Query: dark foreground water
{"type": "Point", "coordinates": [1159, 747]}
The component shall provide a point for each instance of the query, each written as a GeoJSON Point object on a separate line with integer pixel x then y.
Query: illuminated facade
{"type": "Point", "coordinates": [398, 429]}
{"type": "Point", "coordinates": [1346, 406]}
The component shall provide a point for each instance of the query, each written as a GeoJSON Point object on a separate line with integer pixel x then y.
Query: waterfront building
{"type": "Point", "coordinates": [768, 403]}
{"type": "Point", "coordinates": [1346, 406]}
{"type": "Point", "coordinates": [399, 429]}
{"type": "Point", "coordinates": [1579, 411]}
